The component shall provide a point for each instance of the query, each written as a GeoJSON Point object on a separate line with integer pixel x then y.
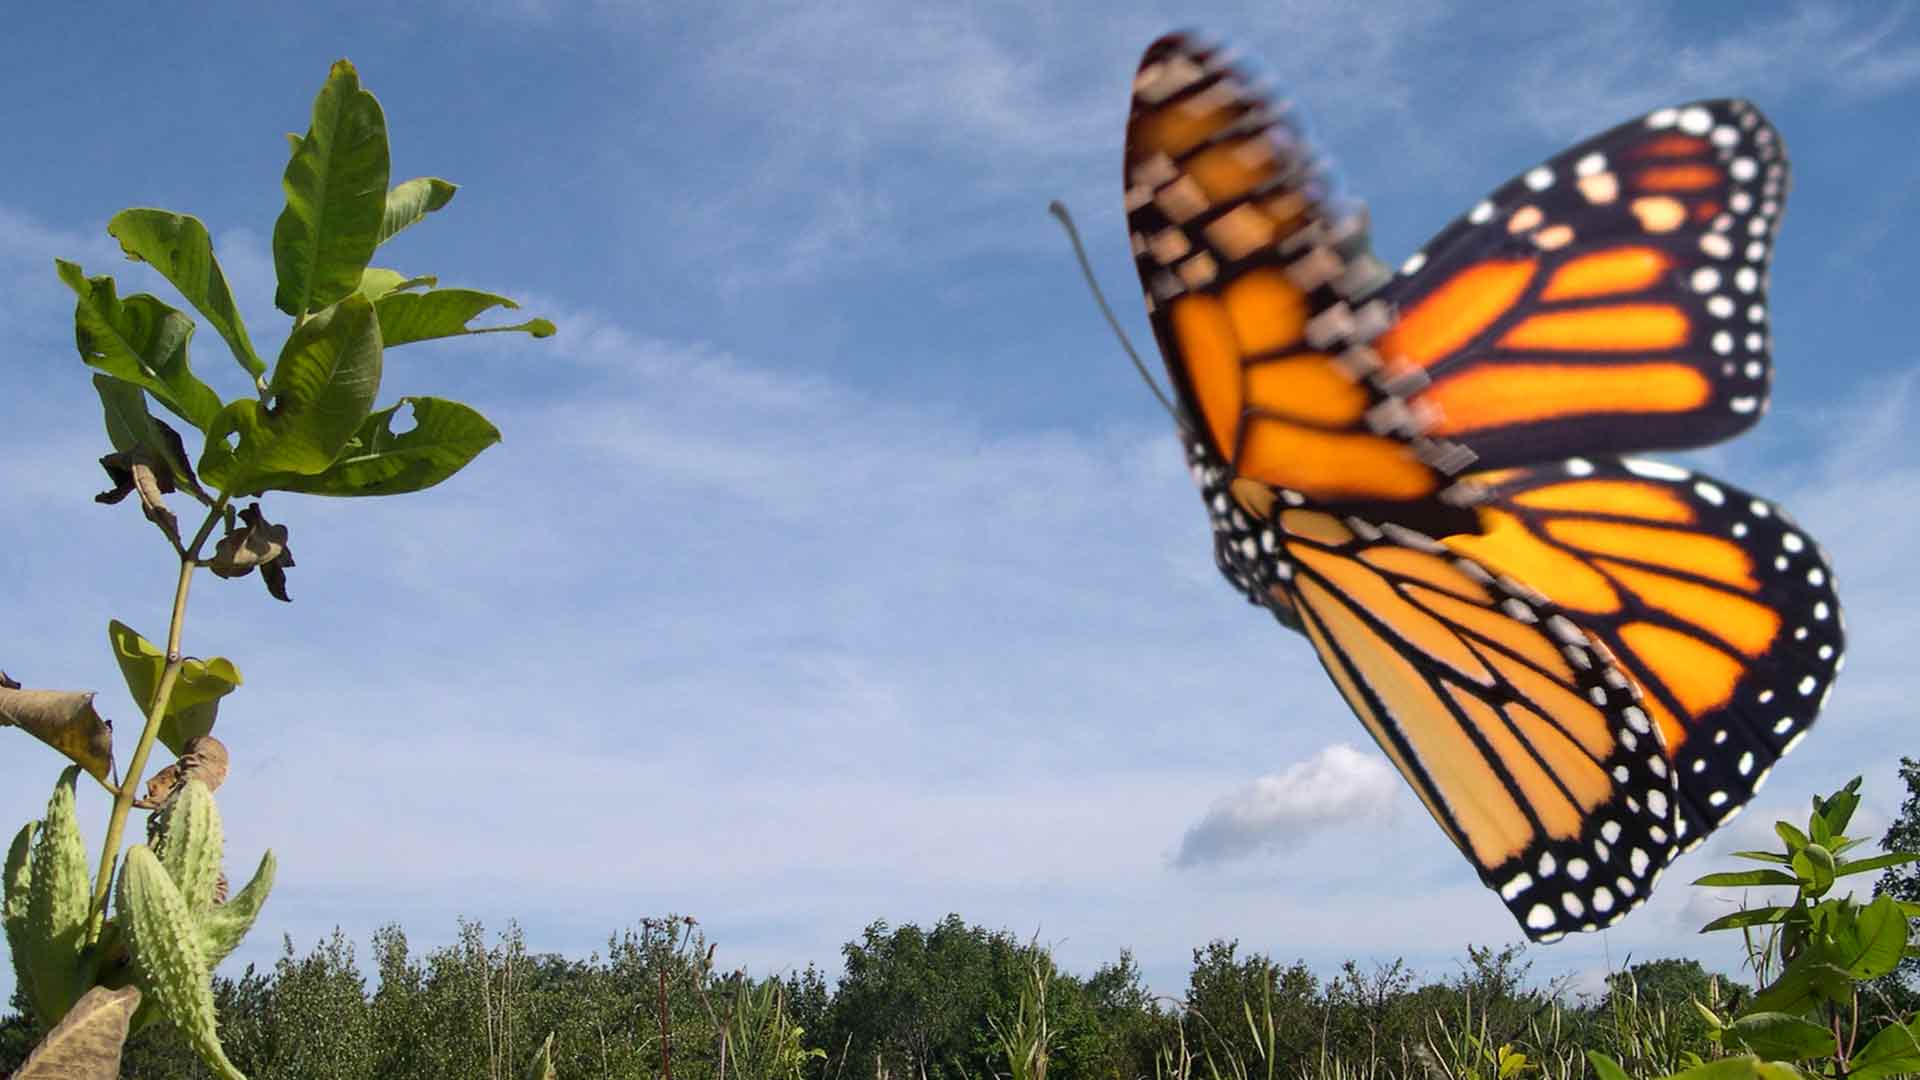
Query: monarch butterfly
{"type": "Point", "coordinates": [1581, 661]}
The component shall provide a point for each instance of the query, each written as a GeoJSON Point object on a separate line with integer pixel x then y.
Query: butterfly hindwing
{"type": "Point", "coordinates": [1610, 300]}
{"type": "Point", "coordinates": [1521, 739]}
{"type": "Point", "coordinates": [1721, 610]}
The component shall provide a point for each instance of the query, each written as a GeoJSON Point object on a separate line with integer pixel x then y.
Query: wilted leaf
{"type": "Point", "coordinates": [64, 720]}
{"type": "Point", "coordinates": [446, 435]}
{"type": "Point", "coordinates": [336, 185]}
{"type": "Point", "coordinates": [139, 340]}
{"type": "Point", "coordinates": [205, 760]}
{"type": "Point", "coordinates": [323, 388]}
{"type": "Point", "coordinates": [197, 691]}
{"type": "Point", "coordinates": [178, 246]}
{"type": "Point", "coordinates": [413, 200]}
{"type": "Point", "coordinates": [256, 543]}
{"type": "Point", "coordinates": [86, 1044]}
{"type": "Point", "coordinates": [131, 427]}
{"type": "Point", "coordinates": [139, 470]}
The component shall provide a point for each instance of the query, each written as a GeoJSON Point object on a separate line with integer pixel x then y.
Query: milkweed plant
{"type": "Point", "coordinates": [101, 954]}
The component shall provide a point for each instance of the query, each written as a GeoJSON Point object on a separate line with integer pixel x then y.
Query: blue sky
{"type": "Point", "coordinates": [835, 566]}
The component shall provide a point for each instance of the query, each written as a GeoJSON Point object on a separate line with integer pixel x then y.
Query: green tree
{"type": "Point", "coordinates": [915, 1003]}
{"type": "Point", "coordinates": [1222, 987]}
{"type": "Point", "coordinates": [1902, 988]}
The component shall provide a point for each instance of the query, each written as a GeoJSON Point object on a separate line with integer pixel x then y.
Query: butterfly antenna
{"type": "Point", "coordinates": [1059, 210]}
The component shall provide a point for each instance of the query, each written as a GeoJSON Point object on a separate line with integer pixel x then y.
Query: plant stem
{"type": "Point", "coordinates": [156, 710]}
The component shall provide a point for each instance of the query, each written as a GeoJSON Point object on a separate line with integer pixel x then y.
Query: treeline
{"type": "Point", "coordinates": [944, 1003]}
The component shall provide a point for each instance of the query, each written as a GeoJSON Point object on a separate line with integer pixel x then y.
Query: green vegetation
{"type": "Point", "coordinates": [957, 1001]}
{"type": "Point", "coordinates": [95, 960]}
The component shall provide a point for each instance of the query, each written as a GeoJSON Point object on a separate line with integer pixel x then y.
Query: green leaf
{"type": "Point", "coordinates": [1795, 839]}
{"type": "Point", "coordinates": [195, 701]}
{"type": "Point", "coordinates": [177, 245]}
{"type": "Point", "coordinates": [139, 340]}
{"type": "Point", "coordinates": [1760, 916]}
{"type": "Point", "coordinates": [130, 426]}
{"type": "Point", "coordinates": [446, 436]}
{"type": "Point", "coordinates": [1876, 942]}
{"type": "Point", "coordinates": [413, 200]}
{"type": "Point", "coordinates": [323, 389]}
{"type": "Point", "coordinates": [1747, 877]}
{"type": "Point", "coordinates": [1744, 1067]}
{"type": "Point", "coordinates": [1842, 845]}
{"type": "Point", "coordinates": [377, 281]}
{"type": "Point", "coordinates": [1605, 1067]}
{"type": "Point", "coordinates": [222, 928]}
{"type": "Point", "coordinates": [1893, 1049]}
{"type": "Point", "coordinates": [1815, 867]}
{"type": "Point", "coordinates": [407, 317]}
{"type": "Point", "coordinates": [1838, 808]}
{"type": "Point", "coordinates": [336, 185]}
{"type": "Point", "coordinates": [1878, 862]}
{"type": "Point", "coordinates": [1764, 856]}
{"type": "Point", "coordinates": [1781, 1036]}
{"type": "Point", "coordinates": [1819, 829]}
{"type": "Point", "coordinates": [1805, 983]}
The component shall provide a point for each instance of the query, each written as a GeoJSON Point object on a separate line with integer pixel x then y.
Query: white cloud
{"type": "Point", "coordinates": [1335, 788]}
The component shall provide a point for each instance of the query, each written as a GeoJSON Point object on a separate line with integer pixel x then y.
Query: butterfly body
{"type": "Point", "coordinates": [1581, 662]}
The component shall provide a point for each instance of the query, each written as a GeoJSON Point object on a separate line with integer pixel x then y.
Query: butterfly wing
{"type": "Point", "coordinates": [1507, 721]}
{"type": "Point", "coordinates": [1611, 300]}
{"type": "Point", "coordinates": [1712, 601]}
{"type": "Point", "coordinates": [1523, 741]}
{"type": "Point", "coordinates": [1256, 281]}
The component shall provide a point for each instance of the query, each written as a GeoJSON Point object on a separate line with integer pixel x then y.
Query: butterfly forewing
{"type": "Point", "coordinates": [1257, 284]}
{"type": "Point", "coordinates": [1610, 300]}
{"type": "Point", "coordinates": [1711, 599]}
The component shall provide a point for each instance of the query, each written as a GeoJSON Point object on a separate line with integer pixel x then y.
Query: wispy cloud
{"type": "Point", "coordinates": [1339, 786]}
{"type": "Point", "coordinates": [1601, 64]}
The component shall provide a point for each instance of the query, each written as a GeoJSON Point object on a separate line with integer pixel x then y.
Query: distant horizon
{"type": "Point", "coordinates": [834, 559]}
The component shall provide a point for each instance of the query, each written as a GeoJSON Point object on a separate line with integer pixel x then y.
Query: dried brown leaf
{"type": "Point", "coordinates": [205, 758]}
{"type": "Point", "coordinates": [64, 720]}
{"type": "Point", "coordinates": [257, 543]}
{"type": "Point", "coordinates": [140, 470]}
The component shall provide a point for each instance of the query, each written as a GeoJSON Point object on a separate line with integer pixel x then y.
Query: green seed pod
{"type": "Point", "coordinates": [189, 844]}
{"type": "Point", "coordinates": [222, 927]}
{"type": "Point", "coordinates": [59, 899]}
{"type": "Point", "coordinates": [168, 963]}
{"type": "Point", "coordinates": [13, 911]}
